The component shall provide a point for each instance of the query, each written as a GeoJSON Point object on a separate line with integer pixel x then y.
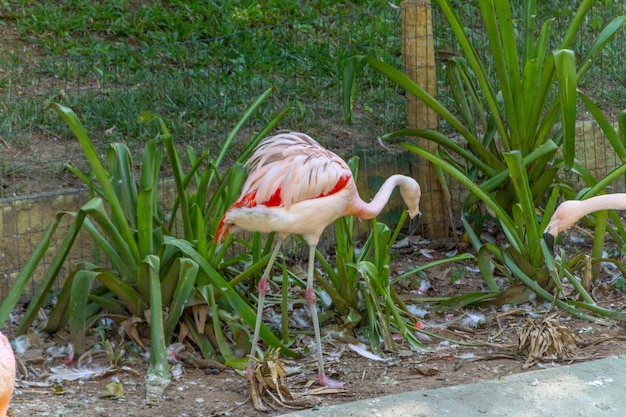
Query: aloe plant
{"type": "Point", "coordinates": [517, 133]}
{"type": "Point", "coordinates": [149, 272]}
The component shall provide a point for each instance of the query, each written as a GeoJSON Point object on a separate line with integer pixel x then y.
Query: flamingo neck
{"type": "Point", "coordinates": [570, 211]}
{"type": "Point", "coordinates": [615, 201]}
{"type": "Point", "coordinates": [364, 210]}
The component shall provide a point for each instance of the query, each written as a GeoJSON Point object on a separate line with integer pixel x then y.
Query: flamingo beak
{"type": "Point", "coordinates": [549, 238]}
{"type": "Point", "coordinates": [413, 222]}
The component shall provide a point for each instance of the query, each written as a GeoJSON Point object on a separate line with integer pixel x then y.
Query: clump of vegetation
{"type": "Point", "coordinates": [517, 133]}
{"type": "Point", "coordinates": [150, 279]}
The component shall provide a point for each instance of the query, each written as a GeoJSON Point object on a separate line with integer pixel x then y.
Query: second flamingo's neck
{"type": "Point", "coordinates": [615, 201]}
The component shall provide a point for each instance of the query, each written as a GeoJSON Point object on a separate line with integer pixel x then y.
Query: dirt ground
{"type": "Point", "coordinates": [480, 347]}
{"type": "Point", "coordinates": [483, 345]}
{"type": "Point", "coordinates": [482, 342]}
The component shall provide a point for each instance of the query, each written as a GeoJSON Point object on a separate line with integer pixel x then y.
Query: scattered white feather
{"type": "Point", "coordinates": [300, 318]}
{"type": "Point", "coordinates": [325, 299]}
{"type": "Point", "coordinates": [404, 243]}
{"type": "Point", "coordinates": [173, 350]}
{"type": "Point", "coordinates": [292, 369]}
{"type": "Point", "coordinates": [417, 311]}
{"type": "Point", "coordinates": [63, 373]}
{"type": "Point", "coordinates": [473, 319]}
{"type": "Point", "coordinates": [177, 371]}
{"type": "Point", "coordinates": [427, 253]}
{"type": "Point", "coordinates": [57, 351]}
{"type": "Point", "coordinates": [366, 353]}
{"type": "Point", "coordinates": [105, 321]}
{"type": "Point", "coordinates": [424, 286]}
{"type": "Point", "coordinates": [21, 344]}
{"type": "Point", "coordinates": [422, 337]}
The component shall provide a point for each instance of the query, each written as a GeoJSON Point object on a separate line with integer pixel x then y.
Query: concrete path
{"type": "Point", "coordinates": [589, 389]}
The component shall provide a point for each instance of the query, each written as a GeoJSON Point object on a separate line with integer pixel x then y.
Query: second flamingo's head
{"type": "Point", "coordinates": [564, 217]}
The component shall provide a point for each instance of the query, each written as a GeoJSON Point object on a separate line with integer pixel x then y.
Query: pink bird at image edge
{"type": "Point", "coordinates": [7, 374]}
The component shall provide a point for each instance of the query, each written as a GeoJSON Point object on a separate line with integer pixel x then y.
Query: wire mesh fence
{"type": "Point", "coordinates": [201, 88]}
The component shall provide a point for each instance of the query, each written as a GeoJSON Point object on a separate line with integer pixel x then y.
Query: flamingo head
{"type": "Point", "coordinates": [411, 194]}
{"type": "Point", "coordinates": [564, 217]}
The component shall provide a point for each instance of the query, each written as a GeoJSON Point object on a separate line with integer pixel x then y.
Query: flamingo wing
{"type": "Point", "coordinates": [290, 168]}
{"type": "Point", "coordinates": [287, 169]}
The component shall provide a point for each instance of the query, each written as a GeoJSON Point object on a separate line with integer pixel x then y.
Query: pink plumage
{"type": "Point", "coordinates": [287, 170]}
{"type": "Point", "coordinates": [295, 186]}
{"type": "Point", "coordinates": [7, 374]}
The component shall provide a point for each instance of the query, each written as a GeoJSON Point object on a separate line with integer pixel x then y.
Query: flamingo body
{"type": "Point", "coordinates": [7, 374]}
{"type": "Point", "coordinates": [295, 186]}
{"type": "Point", "coordinates": [307, 217]}
{"type": "Point", "coordinates": [570, 211]}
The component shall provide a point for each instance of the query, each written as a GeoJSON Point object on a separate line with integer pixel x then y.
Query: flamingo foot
{"type": "Point", "coordinates": [249, 370]}
{"type": "Point", "coordinates": [327, 382]}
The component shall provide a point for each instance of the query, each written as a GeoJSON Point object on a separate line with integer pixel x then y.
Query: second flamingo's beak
{"type": "Point", "coordinates": [549, 238]}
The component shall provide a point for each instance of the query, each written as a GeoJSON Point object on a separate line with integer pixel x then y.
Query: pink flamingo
{"type": "Point", "coordinates": [295, 186]}
{"type": "Point", "coordinates": [7, 374]}
{"type": "Point", "coordinates": [570, 211]}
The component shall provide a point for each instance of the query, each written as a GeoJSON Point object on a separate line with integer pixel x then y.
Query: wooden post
{"type": "Point", "coordinates": [419, 65]}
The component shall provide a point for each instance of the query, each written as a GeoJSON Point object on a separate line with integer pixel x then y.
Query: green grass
{"type": "Point", "coordinates": [195, 63]}
{"type": "Point", "coordinates": [198, 63]}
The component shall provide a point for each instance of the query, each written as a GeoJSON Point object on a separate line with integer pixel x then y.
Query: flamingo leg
{"type": "Point", "coordinates": [259, 312]}
{"type": "Point", "coordinates": [310, 296]}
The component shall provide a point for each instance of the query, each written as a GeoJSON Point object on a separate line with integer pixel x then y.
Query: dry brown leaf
{"type": "Point", "coordinates": [113, 389]}
{"type": "Point", "coordinates": [547, 337]}
{"type": "Point", "coordinates": [426, 371]}
{"type": "Point", "coordinates": [183, 331]}
{"type": "Point", "coordinates": [200, 313]}
{"type": "Point", "coordinates": [267, 387]}
{"type": "Point", "coordinates": [131, 328]}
